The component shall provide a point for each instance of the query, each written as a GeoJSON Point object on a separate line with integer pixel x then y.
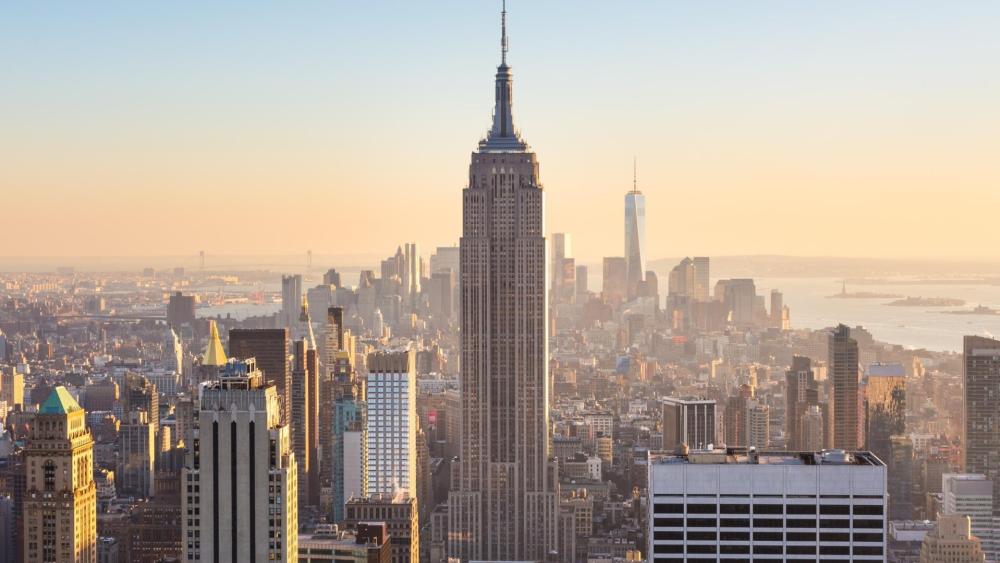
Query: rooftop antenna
{"type": "Point", "coordinates": [503, 33]}
{"type": "Point", "coordinates": [635, 181]}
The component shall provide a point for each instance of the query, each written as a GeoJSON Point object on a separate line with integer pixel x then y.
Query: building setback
{"type": "Point", "coordinates": [503, 505]}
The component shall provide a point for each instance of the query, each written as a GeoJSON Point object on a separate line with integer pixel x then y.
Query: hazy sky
{"type": "Point", "coordinates": [813, 128]}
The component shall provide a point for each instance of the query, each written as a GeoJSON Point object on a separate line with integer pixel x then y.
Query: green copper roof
{"type": "Point", "coordinates": [59, 402]}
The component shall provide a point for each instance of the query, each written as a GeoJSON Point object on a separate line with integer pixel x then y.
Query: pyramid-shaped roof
{"type": "Point", "coordinates": [214, 355]}
{"type": "Point", "coordinates": [60, 402]}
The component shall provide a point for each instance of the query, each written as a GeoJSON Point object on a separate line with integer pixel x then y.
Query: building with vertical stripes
{"type": "Point", "coordinates": [239, 502]}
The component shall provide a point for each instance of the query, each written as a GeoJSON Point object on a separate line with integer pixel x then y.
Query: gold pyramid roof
{"type": "Point", "coordinates": [214, 354]}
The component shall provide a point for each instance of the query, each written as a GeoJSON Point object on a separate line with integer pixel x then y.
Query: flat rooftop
{"type": "Point", "coordinates": [746, 456]}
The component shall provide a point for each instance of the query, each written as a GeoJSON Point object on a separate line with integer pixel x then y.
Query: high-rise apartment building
{"type": "Point", "coordinates": [503, 505]}
{"type": "Point", "coordinates": [745, 505]}
{"type": "Point", "coordinates": [349, 449]}
{"type": "Point", "coordinates": [688, 421]}
{"type": "Point", "coordinates": [269, 347]}
{"type": "Point", "coordinates": [843, 375]}
{"type": "Point", "coordinates": [59, 510]}
{"type": "Point", "coordinates": [241, 490]}
{"type": "Point", "coordinates": [982, 410]}
{"type": "Point", "coordinates": [391, 391]}
{"type": "Point", "coordinates": [635, 237]}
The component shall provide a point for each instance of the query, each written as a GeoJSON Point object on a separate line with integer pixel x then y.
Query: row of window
{"type": "Point", "coordinates": [734, 508]}
{"type": "Point", "coordinates": [858, 550]}
{"type": "Point", "coordinates": [700, 535]}
{"type": "Point", "coordinates": [765, 523]}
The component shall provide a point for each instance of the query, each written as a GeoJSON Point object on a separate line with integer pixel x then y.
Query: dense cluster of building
{"type": "Point", "coordinates": [488, 404]}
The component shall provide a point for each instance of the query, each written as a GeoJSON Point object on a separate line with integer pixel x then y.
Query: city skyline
{"type": "Point", "coordinates": [887, 111]}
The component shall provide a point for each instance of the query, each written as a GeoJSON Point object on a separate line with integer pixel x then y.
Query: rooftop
{"type": "Point", "coordinates": [59, 402]}
{"type": "Point", "coordinates": [749, 456]}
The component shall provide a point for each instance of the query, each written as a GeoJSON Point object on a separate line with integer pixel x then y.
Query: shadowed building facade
{"type": "Point", "coordinates": [503, 504]}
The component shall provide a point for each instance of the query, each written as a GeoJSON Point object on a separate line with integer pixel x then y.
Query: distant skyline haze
{"type": "Point", "coordinates": [866, 129]}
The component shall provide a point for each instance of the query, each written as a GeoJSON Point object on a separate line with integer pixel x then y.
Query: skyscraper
{"type": "Point", "coordinates": [801, 393]}
{"type": "Point", "coordinates": [269, 347]}
{"type": "Point", "coordinates": [305, 419]}
{"type": "Point", "coordinates": [504, 499]}
{"type": "Point", "coordinates": [701, 287]}
{"type": "Point", "coordinates": [411, 274]}
{"type": "Point", "coordinates": [60, 501]}
{"type": "Point", "coordinates": [635, 236]}
{"type": "Point", "coordinates": [885, 407]}
{"type": "Point", "coordinates": [614, 285]}
{"type": "Point", "coordinates": [291, 299]}
{"type": "Point", "coordinates": [982, 410]}
{"type": "Point", "coordinates": [240, 474]}
{"type": "Point", "coordinates": [392, 424]}
{"type": "Point", "coordinates": [843, 375]}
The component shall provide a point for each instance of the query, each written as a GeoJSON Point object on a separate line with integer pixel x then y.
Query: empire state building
{"type": "Point", "coordinates": [503, 504]}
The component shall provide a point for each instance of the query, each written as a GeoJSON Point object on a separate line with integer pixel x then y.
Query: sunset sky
{"type": "Point", "coordinates": [805, 128]}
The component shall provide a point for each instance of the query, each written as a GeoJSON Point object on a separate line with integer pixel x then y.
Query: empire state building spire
{"type": "Point", "coordinates": [502, 136]}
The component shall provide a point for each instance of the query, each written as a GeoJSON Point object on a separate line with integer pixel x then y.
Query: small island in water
{"type": "Point", "coordinates": [844, 294]}
{"type": "Point", "coordinates": [927, 302]}
{"type": "Point", "coordinates": [980, 310]}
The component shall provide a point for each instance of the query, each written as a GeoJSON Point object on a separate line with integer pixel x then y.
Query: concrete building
{"type": "Point", "coordinates": [240, 475]}
{"type": "Point", "coordinates": [971, 494]}
{"type": "Point", "coordinates": [688, 421]}
{"type": "Point", "coordinates": [504, 501]}
{"type": "Point", "coordinates": [369, 543]}
{"type": "Point", "coordinates": [60, 500]}
{"type": "Point", "coordinates": [951, 541]}
{"type": "Point", "coordinates": [400, 514]}
{"type": "Point", "coordinates": [773, 506]}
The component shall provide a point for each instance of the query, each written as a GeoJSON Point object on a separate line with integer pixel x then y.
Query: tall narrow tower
{"type": "Point", "coordinates": [503, 503]}
{"type": "Point", "coordinates": [635, 236]}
